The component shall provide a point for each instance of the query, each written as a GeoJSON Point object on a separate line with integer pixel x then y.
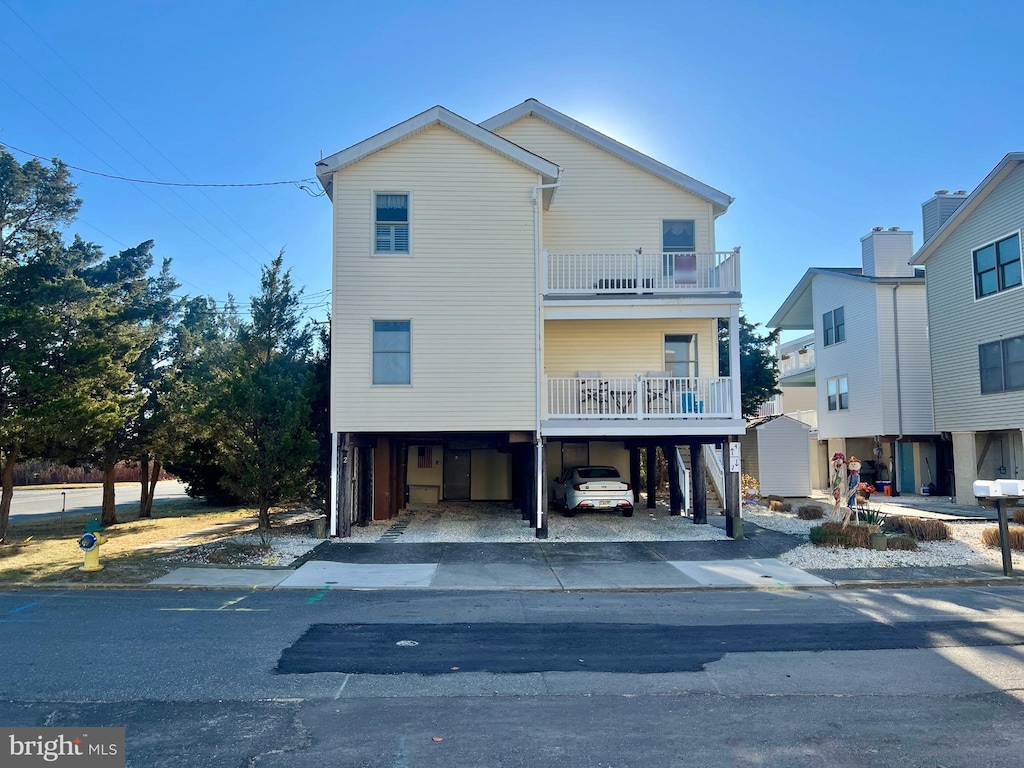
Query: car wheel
{"type": "Point", "coordinates": [627, 512]}
{"type": "Point", "coordinates": [568, 512]}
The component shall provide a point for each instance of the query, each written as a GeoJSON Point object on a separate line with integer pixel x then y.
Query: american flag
{"type": "Point", "coordinates": [425, 458]}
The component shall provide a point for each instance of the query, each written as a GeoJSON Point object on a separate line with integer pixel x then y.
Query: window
{"type": "Point", "coordinates": [1001, 364]}
{"type": "Point", "coordinates": [680, 360]}
{"type": "Point", "coordinates": [997, 267]}
{"type": "Point", "coordinates": [838, 394]}
{"type": "Point", "coordinates": [677, 236]}
{"type": "Point", "coordinates": [392, 352]}
{"type": "Point", "coordinates": [392, 223]}
{"type": "Point", "coordinates": [834, 324]}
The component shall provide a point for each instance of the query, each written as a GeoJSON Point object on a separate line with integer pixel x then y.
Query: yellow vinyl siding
{"type": "Point", "coordinates": [605, 203]}
{"type": "Point", "coordinates": [467, 288]}
{"type": "Point", "coordinates": [623, 347]}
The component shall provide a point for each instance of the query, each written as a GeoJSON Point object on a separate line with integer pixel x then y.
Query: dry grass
{"type": "Point", "coordinates": [777, 505]}
{"type": "Point", "coordinates": [37, 552]}
{"type": "Point", "coordinates": [922, 529]}
{"type": "Point", "coordinates": [835, 535]}
{"type": "Point", "coordinates": [1018, 515]}
{"type": "Point", "coordinates": [810, 512]}
{"type": "Point", "coordinates": [990, 538]}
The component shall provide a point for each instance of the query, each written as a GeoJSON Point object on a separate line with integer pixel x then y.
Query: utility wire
{"type": "Point", "coordinates": [155, 182]}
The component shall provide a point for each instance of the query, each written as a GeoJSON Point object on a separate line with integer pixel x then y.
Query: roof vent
{"type": "Point", "coordinates": [877, 229]}
{"type": "Point", "coordinates": [941, 191]}
{"type": "Point", "coordinates": [960, 192]}
{"type": "Point", "coordinates": [894, 229]}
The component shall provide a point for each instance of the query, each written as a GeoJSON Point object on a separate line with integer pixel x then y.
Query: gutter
{"type": "Point", "coordinates": [539, 521]}
{"type": "Point", "coordinates": [899, 383]}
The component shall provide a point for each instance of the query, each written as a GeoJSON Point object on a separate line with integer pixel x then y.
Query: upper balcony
{"type": "Point", "coordinates": [642, 274]}
{"type": "Point", "coordinates": [796, 362]}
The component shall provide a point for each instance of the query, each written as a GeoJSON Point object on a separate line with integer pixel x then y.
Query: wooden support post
{"type": "Point", "coordinates": [700, 484]}
{"type": "Point", "coordinates": [634, 471]}
{"type": "Point", "coordinates": [364, 486]}
{"type": "Point", "coordinates": [675, 491]}
{"type": "Point", "coordinates": [652, 475]}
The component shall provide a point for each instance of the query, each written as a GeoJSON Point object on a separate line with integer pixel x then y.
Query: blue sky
{"type": "Point", "coordinates": [822, 118]}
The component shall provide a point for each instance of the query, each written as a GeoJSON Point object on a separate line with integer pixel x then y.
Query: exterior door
{"type": "Point", "coordinates": [456, 474]}
{"type": "Point", "coordinates": [907, 468]}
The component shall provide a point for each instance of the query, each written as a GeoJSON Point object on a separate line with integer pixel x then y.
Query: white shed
{"type": "Point", "coordinates": [783, 449]}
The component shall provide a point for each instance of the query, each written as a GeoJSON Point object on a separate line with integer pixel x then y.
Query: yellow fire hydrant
{"type": "Point", "coordinates": [90, 545]}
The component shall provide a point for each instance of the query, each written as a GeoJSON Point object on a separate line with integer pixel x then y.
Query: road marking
{"type": "Point", "coordinates": [12, 616]}
{"type": "Point", "coordinates": [225, 607]}
{"type": "Point", "coordinates": [318, 596]}
{"type": "Point", "coordinates": [342, 689]}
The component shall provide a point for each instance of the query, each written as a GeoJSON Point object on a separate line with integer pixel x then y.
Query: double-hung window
{"type": "Point", "coordinates": [834, 325]}
{"type": "Point", "coordinates": [1001, 364]}
{"type": "Point", "coordinates": [391, 222]}
{"type": "Point", "coordinates": [392, 352]}
{"type": "Point", "coordinates": [838, 390]}
{"type": "Point", "coordinates": [678, 236]}
{"type": "Point", "coordinates": [997, 266]}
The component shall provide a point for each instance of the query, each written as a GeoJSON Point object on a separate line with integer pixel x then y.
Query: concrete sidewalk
{"type": "Point", "coordinates": [749, 563]}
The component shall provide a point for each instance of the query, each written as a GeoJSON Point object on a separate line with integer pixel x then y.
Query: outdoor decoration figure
{"type": "Point", "coordinates": [853, 481]}
{"type": "Point", "coordinates": [838, 486]}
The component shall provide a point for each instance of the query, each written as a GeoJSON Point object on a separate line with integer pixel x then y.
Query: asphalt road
{"type": "Point", "coordinates": [46, 502]}
{"type": "Point", "coordinates": [926, 677]}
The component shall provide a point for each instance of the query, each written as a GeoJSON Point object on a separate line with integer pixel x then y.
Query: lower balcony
{"type": "Point", "coordinates": [634, 401]}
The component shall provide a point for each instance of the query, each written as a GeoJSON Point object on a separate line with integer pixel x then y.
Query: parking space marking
{"type": "Point", "coordinates": [225, 607]}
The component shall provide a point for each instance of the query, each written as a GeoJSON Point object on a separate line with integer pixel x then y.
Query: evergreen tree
{"type": "Point", "coordinates": [759, 375]}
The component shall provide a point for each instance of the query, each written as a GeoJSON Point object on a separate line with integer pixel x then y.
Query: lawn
{"type": "Point", "coordinates": [37, 552]}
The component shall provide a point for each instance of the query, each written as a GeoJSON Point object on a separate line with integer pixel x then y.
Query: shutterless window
{"type": "Point", "coordinates": [838, 391]}
{"type": "Point", "coordinates": [834, 325]}
{"type": "Point", "coordinates": [392, 223]}
{"type": "Point", "coordinates": [392, 352]}
{"type": "Point", "coordinates": [677, 236]}
{"type": "Point", "coordinates": [997, 267]}
{"type": "Point", "coordinates": [1001, 365]}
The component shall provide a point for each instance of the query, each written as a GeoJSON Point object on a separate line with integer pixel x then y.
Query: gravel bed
{"type": "Point", "coordinates": [965, 548]}
{"type": "Point", "coordinates": [451, 522]}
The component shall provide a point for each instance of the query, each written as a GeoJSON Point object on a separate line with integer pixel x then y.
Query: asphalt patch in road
{"type": "Point", "coordinates": [436, 649]}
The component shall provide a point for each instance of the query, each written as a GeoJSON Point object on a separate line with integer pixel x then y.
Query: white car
{"type": "Point", "coordinates": [584, 488]}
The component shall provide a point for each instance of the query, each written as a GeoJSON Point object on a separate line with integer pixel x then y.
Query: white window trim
{"type": "Point", "coordinates": [373, 224]}
{"type": "Point", "coordinates": [974, 275]}
{"type": "Point", "coordinates": [408, 320]}
{"type": "Point", "coordinates": [661, 233]}
{"type": "Point", "coordinates": [694, 343]}
{"type": "Point", "coordinates": [836, 379]}
{"type": "Point", "coordinates": [833, 313]}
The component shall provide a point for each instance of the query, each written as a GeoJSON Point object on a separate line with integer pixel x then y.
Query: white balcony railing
{"type": "Point", "coordinates": [640, 397]}
{"type": "Point", "coordinates": [792, 363]}
{"type": "Point", "coordinates": [637, 272]}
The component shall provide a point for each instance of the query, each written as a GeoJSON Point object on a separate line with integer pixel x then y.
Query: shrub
{"type": "Point", "coordinates": [834, 535]}
{"type": "Point", "coordinates": [810, 512]}
{"type": "Point", "coordinates": [922, 529]}
{"type": "Point", "coordinates": [902, 541]}
{"type": "Point", "coordinates": [779, 506]}
{"type": "Point", "coordinates": [870, 517]}
{"type": "Point", "coordinates": [1018, 515]}
{"type": "Point", "coordinates": [990, 538]}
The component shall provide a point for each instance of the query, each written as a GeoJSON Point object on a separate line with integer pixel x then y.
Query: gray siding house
{"type": "Point", "coordinates": [972, 256]}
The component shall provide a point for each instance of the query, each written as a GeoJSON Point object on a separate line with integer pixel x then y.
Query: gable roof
{"type": "Point", "coordinates": [1007, 165]}
{"type": "Point", "coordinates": [797, 313]}
{"type": "Point", "coordinates": [720, 201]}
{"type": "Point", "coordinates": [438, 115]}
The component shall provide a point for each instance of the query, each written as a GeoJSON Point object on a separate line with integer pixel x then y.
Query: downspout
{"type": "Point", "coordinates": [899, 387]}
{"type": "Point", "coordinates": [539, 523]}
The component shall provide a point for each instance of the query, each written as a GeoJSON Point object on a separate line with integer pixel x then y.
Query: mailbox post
{"type": "Point", "coordinates": [1001, 492]}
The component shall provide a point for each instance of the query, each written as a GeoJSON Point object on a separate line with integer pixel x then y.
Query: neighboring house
{"type": "Point", "coordinates": [871, 372]}
{"type": "Point", "coordinates": [972, 259]}
{"type": "Point", "coordinates": [515, 297]}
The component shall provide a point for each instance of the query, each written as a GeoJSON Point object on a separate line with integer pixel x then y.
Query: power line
{"type": "Point", "coordinates": [155, 182]}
